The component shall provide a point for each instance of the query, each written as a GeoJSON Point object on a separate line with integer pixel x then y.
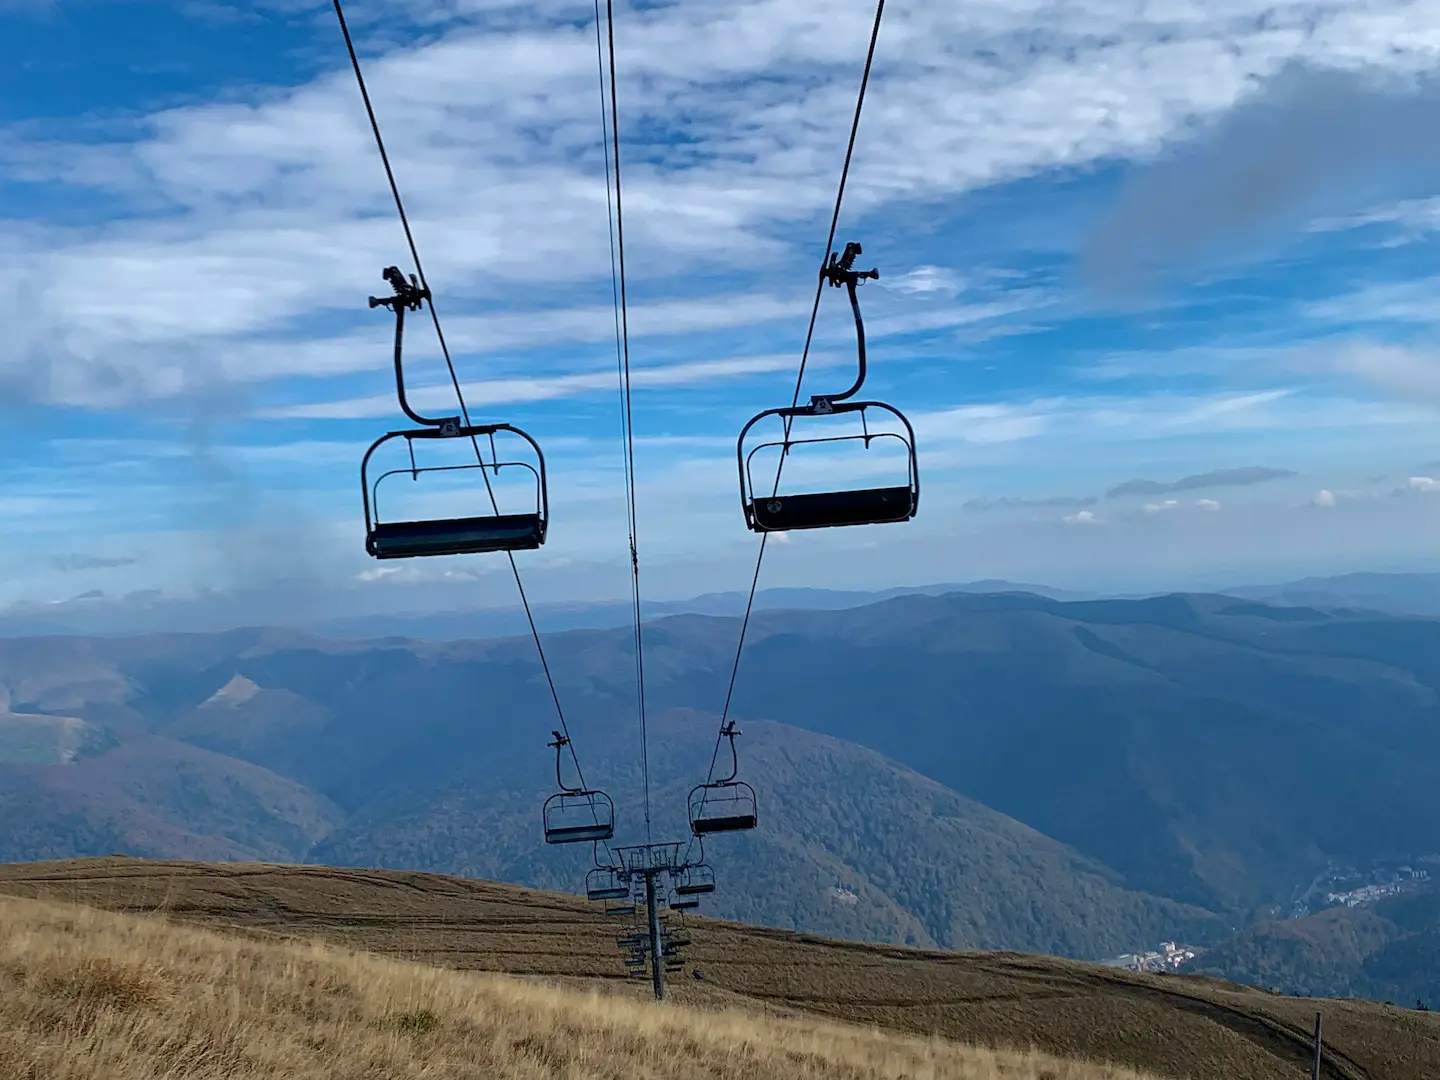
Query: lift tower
{"type": "Point", "coordinates": [652, 864]}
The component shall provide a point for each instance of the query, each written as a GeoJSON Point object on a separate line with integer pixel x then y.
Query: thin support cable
{"type": "Point", "coordinates": [799, 379]}
{"type": "Point", "coordinates": [627, 411]}
{"type": "Point", "coordinates": [450, 366]}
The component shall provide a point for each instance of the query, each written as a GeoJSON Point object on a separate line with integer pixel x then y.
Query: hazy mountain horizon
{"type": "Point", "coordinates": [431, 613]}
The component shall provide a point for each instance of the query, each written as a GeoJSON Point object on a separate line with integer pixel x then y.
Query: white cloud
{"type": "Point", "coordinates": [511, 391]}
{"type": "Point", "coordinates": [1208, 504]}
{"type": "Point", "coordinates": [1082, 517]}
{"type": "Point", "coordinates": [1161, 507]}
{"type": "Point", "coordinates": [925, 280]}
{"type": "Point", "coordinates": [1405, 372]}
{"type": "Point", "coordinates": [1324, 497]}
{"type": "Point", "coordinates": [1424, 483]}
{"type": "Point", "coordinates": [275, 210]}
{"type": "Point", "coordinates": [1415, 218]}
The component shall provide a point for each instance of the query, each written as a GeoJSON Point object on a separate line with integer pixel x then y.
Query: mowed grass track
{"type": "Point", "coordinates": [1172, 1026]}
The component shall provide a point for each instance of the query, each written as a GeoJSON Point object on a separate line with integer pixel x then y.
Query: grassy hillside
{"type": "Point", "coordinates": [37, 739]}
{"type": "Point", "coordinates": [87, 995]}
{"type": "Point", "coordinates": [154, 796]}
{"type": "Point", "coordinates": [1176, 1027]}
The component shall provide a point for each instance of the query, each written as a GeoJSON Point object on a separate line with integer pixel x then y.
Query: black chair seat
{"type": "Point", "coordinates": [868, 506]}
{"type": "Point", "coordinates": [455, 536]}
{"type": "Point", "coordinates": [685, 905]}
{"type": "Point", "coordinates": [619, 893]}
{"type": "Point", "coordinates": [728, 823]}
{"type": "Point", "coordinates": [575, 834]}
{"type": "Point", "coordinates": [697, 888]}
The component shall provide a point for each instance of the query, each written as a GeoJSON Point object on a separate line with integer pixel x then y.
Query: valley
{"type": "Point", "coordinates": [1078, 778]}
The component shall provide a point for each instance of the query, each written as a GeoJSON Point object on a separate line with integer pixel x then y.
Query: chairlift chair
{"type": "Point", "coordinates": [576, 815]}
{"type": "Point", "coordinates": [464, 535]}
{"type": "Point", "coordinates": [695, 880]}
{"type": "Point", "coordinates": [603, 883]}
{"type": "Point", "coordinates": [726, 805]}
{"type": "Point", "coordinates": [685, 905]}
{"type": "Point", "coordinates": [827, 509]}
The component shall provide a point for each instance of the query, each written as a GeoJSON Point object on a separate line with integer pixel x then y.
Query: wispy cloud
{"type": "Point", "coordinates": [80, 561]}
{"type": "Point", "coordinates": [1241, 477]}
{"type": "Point", "coordinates": [512, 391]}
{"type": "Point", "coordinates": [1006, 502]}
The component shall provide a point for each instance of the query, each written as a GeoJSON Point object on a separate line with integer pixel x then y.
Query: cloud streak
{"type": "Point", "coordinates": [1012, 503]}
{"type": "Point", "coordinates": [1241, 477]}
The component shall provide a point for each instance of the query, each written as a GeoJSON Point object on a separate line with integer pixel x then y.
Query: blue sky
{"type": "Point", "coordinates": [1187, 244]}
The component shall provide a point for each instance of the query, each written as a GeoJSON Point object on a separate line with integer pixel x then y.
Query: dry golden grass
{"type": "Point", "coordinates": [1178, 1027]}
{"type": "Point", "coordinates": [92, 995]}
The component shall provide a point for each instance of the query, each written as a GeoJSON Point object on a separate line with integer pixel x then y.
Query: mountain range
{"type": "Point", "coordinates": [967, 769]}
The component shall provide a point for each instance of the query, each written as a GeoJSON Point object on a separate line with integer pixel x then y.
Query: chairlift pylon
{"type": "Point", "coordinates": [726, 805]}
{"type": "Point", "coordinates": [576, 815]}
{"type": "Point", "coordinates": [828, 509]}
{"type": "Point", "coordinates": [463, 535]}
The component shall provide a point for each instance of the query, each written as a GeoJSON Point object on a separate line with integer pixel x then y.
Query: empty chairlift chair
{"type": "Point", "coordinates": [894, 502]}
{"type": "Point", "coordinates": [604, 883]}
{"type": "Point", "coordinates": [696, 880]}
{"type": "Point", "coordinates": [726, 805]}
{"type": "Point", "coordinates": [483, 527]}
{"type": "Point", "coordinates": [576, 815]}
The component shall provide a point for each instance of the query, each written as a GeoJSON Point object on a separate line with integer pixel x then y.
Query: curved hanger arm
{"type": "Point", "coordinates": [689, 863]}
{"type": "Point", "coordinates": [730, 734]}
{"type": "Point", "coordinates": [558, 745]}
{"type": "Point", "coordinates": [840, 271]}
{"type": "Point", "coordinates": [409, 296]}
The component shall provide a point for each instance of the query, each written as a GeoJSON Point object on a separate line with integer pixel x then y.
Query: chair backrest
{"type": "Point", "coordinates": [767, 509]}
{"type": "Point", "coordinates": [722, 807]}
{"type": "Point", "coordinates": [573, 817]}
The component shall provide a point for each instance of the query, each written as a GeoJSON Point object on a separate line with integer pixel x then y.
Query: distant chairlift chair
{"type": "Point", "coordinates": [468, 535]}
{"type": "Point", "coordinates": [604, 883]}
{"type": "Point", "coordinates": [856, 506]}
{"type": "Point", "coordinates": [696, 880]}
{"type": "Point", "coordinates": [575, 815]}
{"type": "Point", "coordinates": [726, 805]}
